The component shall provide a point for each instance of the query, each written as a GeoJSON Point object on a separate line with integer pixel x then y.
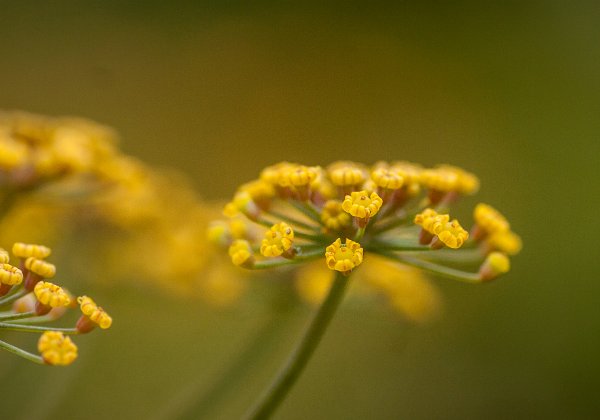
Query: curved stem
{"type": "Point", "coordinates": [303, 255]}
{"type": "Point", "coordinates": [14, 316]}
{"type": "Point", "coordinates": [293, 367]}
{"type": "Point", "coordinates": [20, 352]}
{"type": "Point", "coordinates": [32, 328]}
{"type": "Point", "coordinates": [428, 266]}
{"type": "Point", "coordinates": [14, 296]}
{"type": "Point", "coordinates": [291, 220]}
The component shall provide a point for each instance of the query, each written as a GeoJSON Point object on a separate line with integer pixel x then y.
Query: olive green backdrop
{"type": "Point", "coordinates": [221, 89]}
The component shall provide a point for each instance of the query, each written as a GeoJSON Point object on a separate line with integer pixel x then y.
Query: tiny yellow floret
{"type": "Point", "coordinates": [298, 175]}
{"type": "Point", "coordinates": [431, 221]}
{"type": "Point", "coordinates": [495, 264]}
{"type": "Point", "coordinates": [94, 312]}
{"type": "Point", "coordinates": [4, 257]}
{"type": "Point", "coordinates": [240, 252]}
{"type": "Point", "coordinates": [23, 250]}
{"type": "Point", "coordinates": [277, 240]}
{"type": "Point", "coordinates": [489, 219]}
{"type": "Point", "coordinates": [388, 178]}
{"type": "Point", "coordinates": [344, 173]}
{"type": "Point", "coordinates": [343, 257]}
{"type": "Point", "coordinates": [506, 241]}
{"type": "Point", "coordinates": [334, 217]}
{"type": "Point", "coordinates": [453, 235]}
{"type": "Point", "coordinates": [360, 204]}
{"type": "Point", "coordinates": [10, 275]}
{"type": "Point", "coordinates": [52, 295]}
{"type": "Point", "coordinates": [57, 349]}
{"type": "Point", "coordinates": [40, 267]}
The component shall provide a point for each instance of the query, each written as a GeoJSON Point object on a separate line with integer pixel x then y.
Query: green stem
{"type": "Point", "coordinates": [20, 352]}
{"type": "Point", "coordinates": [359, 234]}
{"type": "Point", "coordinates": [33, 328]}
{"type": "Point", "coordinates": [399, 245]}
{"type": "Point", "coordinates": [308, 210]}
{"type": "Point", "coordinates": [293, 367]}
{"type": "Point", "coordinates": [292, 221]}
{"type": "Point", "coordinates": [300, 257]}
{"type": "Point", "coordinates": [11, 298]}
{"type": "Point", "coordinates": [434, 268]}
{"type": "Point", "coordinates": [13, 316]}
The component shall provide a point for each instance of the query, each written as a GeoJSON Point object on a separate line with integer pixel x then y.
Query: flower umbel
{"type": "Point", "coordinates": [311, 211]}
{"type": "Point", "coordinates": [308, 211]}
{"type": "Point", "coordinates": [36, 301]}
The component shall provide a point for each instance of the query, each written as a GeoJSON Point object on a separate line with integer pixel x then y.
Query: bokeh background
{"type": "Point", "coordinates": [510, 91]}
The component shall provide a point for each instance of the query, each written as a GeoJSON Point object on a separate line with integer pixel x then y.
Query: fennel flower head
{"type": "Point", "coordinates": [349, 215]}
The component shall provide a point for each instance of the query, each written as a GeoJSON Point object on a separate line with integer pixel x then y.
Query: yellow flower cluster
{"type": "Point", "coordinates": [348, 210]}
{"type": "Point", "coordinates": [28, 297]}
{"type": "Point", "coordinates": [69, 175]}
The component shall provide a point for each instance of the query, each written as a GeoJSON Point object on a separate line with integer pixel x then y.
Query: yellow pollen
{"type": "Point", "coordinates": [453, 235]}
{"type": "Point", "coordinates": [505, 241]}
{"type": "Point", "coordinates": [298, 176]}
{"type": "Point", "coordinates": [359, 204]}
{"type": "Point", "coordinates": [56, 348]}
{"type": "Point", "coordinates": [50, 294]}
{"type": "Point", "coordinates": [277, 240]}
{"type": "Point", "coordinates": [4, 257]}
{"type": "Point", "coordinates": [94, 312]}
{"type": "Point", "coordinates": [240, 251]}
{"type": "Point", "coordinates": [344, 173]}
{"type": "Point", "coordinates": [489, 219]}
{"type": "Point", "coordinates": [387, 178]}
{"type": "Point", "coordinates": [40, 267]}
{"type": "Point", "coordinates": [334, 217]}
{"type": "Point", "coordinates": [431, 221]}
{"type": "Point", "coordinates": [343, 257]}
{"type": "Point", "coordinates": [30, 250]}
{"type": "Point", "coordinates": [10, 275]}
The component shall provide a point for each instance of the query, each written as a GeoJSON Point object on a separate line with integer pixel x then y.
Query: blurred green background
{"type": "Point", "coordinates": [509, 91]}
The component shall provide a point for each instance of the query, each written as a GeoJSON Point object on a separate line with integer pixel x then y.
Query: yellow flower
{"type": "Point", "coordinates": [50, 294]}
{"type": "Point", "coordinates": [259, 191]}
{"type": "Point", "coordinates": [453, 235]}
{"type": "Point", "coordinates": [12, 153]}
{"type": "Point", "coordinates": [10, 275]}
{"type": "Point", "coordinates": [386, 177]}
{"type": "Point", "coordinates": [496, 263]}
{"type": "Point", "coordinates": [431, 221]}
{"type": "Point", "coordinates": [489, 219]}
{"type": "Point", "coordinates": [447, 178]}
{"type": "Point", "coordinates": [334, 217]}
{"type": "Point", "coordinates": [360, 204]}
{"type": "Point", "coordinates": [277, 240]}
{"type": "Point", "coordinates": [240, 252]}
{"type": "Point", "coordinates": [22, 250]}
{"type": "Point", "coordinates": [298, 175]}
{"type": "Point", "coordinates": [344, 257]}
{"type": "Point", "coordinates": [92, 312]}
{"type": "Point", "coordinates": [57, 349]}
{"type": "Point", "coordinates": [4, 257]}
{"type": "Point", "coordinates": [344, 173]}
{"type": "Point", "coordinates": [505, 241]}
{"type": "Point", "coordinates": [40, 267]}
